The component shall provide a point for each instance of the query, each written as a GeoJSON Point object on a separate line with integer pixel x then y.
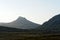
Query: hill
{"type": "Point", "coordinates": [51, 26]}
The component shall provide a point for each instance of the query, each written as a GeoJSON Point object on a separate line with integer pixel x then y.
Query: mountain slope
{"type": "Point", "coordinates": [21, 23]}
{"type": "Point", "coordinates": [52, 26]}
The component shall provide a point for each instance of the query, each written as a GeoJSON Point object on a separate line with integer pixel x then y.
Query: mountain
{"type": "Point", "coordinates": [52, 25]}
{"type": "Point", "coordinates": [21, 23]}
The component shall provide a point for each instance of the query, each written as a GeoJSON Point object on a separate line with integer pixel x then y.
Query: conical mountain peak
{"type": "Point", "coordinates": [20, 18]}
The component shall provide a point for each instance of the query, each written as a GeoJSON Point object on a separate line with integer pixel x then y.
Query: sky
{"type": "Point", "coordinates": [37, 11]}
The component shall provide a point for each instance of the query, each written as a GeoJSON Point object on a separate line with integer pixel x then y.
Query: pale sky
{"type": "Point", "coordinates": [37, 11]}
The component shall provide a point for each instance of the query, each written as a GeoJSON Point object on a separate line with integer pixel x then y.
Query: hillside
{"type": "Point", "coordinates": [51, 26]}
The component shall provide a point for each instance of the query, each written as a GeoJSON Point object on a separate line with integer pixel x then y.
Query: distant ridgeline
{"type": "Point", "coordinates": [24, 25]}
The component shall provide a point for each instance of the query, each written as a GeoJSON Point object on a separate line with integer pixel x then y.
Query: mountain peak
{"type": "Point", "coordinates": [21, 18]}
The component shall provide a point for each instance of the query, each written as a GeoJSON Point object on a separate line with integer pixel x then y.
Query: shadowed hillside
{"type": "Point", "coordinates": [51, 26]}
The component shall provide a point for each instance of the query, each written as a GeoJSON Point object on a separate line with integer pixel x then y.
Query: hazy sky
{"type": "Point", "coordinates": [37, 11]}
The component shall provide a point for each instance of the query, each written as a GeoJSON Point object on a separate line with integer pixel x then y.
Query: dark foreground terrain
{"type": "Point", "coordinates": [28, 36]}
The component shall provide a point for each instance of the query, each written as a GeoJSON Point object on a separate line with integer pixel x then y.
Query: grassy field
{"type": "Point", "coordinates": [28, 36]}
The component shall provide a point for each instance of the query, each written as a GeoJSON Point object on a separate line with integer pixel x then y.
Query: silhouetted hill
{"type": "Point", "coordinates": [21, 23]}
{"type": "Point", "coordinates": [51, 26]}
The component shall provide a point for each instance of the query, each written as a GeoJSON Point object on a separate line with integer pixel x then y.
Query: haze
{"type": "Point", "coordinates": [37, 11]}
